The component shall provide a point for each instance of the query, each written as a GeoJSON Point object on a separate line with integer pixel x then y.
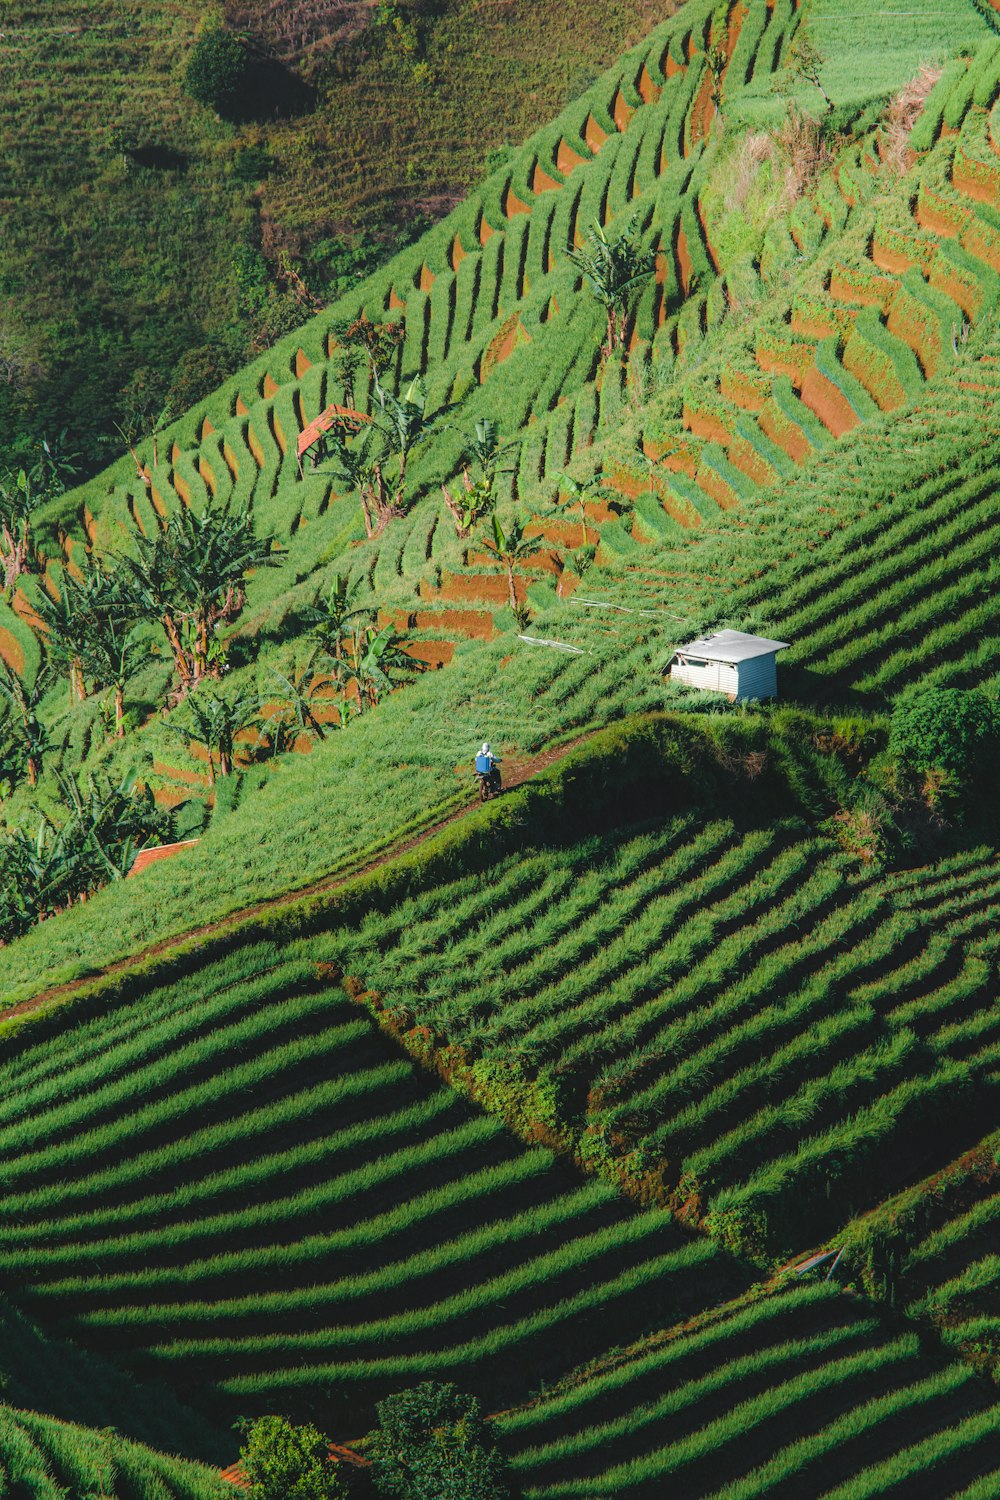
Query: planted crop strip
{"type": "Point", "coordinates": [802, 1390]}
{"type": "Point", "coordinates": [296, 1206]}
{"type": "Point", "coordinates": [779, 1061]}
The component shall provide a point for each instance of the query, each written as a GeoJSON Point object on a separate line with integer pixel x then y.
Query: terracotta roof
{"type": "Point", "coordinates": [344, 416]}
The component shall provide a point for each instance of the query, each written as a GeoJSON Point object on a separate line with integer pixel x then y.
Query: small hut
{"type": "Point", "coordinates": [741, 666]}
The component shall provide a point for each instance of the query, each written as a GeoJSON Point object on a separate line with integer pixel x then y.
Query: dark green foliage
{"type": "Point", "coordinates": [431, 1444]}
{"type": "Point", "coordinates": [220, 72]}
{"type": "Point", "coordinates": [946, 730]}
{"type": "Point", "coordinates": [282, 1462]}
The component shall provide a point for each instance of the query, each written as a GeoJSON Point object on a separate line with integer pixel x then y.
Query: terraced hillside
{"type": "Point", "coordinates": [575, 1098]}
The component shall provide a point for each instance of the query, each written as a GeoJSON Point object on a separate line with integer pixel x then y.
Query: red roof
{"type": "Point", "coordinates": [344, 416]}
{"type": "Point", "coordinates": [162, 851]}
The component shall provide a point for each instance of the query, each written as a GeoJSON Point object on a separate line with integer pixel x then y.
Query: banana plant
{"type": "Point", "coordinates": [511, 549]}
{"type": "Point", "coordinates": [612, 268]}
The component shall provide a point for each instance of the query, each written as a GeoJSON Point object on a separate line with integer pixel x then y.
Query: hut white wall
{"type": "Point", "coordinates": [758, 678]}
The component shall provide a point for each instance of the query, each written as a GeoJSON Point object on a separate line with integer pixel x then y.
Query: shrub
{"type": "Point", "coordinates": [282, 1462]}
{"type": "Point", "coordinates": [945, 730]}
{"type": "Point", "coordinates": [431, 1444]}
{"type": "Point", "coordinates": [219, 72]}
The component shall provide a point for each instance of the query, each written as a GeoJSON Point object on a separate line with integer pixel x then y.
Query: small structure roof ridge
{"type": "Point", "coordinates": [732, 646]}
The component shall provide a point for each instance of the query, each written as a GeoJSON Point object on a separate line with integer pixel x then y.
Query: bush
{"type": "Point", "coordinates": [220, 72]}
{"type": "Point", "coordinates": [431, 1444]}
{"type": "Point", "coordinates": [282, 1462]}
{"type": "Point", "coordinates": [945, 730]}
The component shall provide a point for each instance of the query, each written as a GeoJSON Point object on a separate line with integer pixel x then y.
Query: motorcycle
{"type": "Point", "coordinates": [490, 783]}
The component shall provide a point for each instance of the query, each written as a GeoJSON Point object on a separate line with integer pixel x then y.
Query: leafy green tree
{"type": "Point", "coordinates": [512, 548]}
{"type": "Point", "coordinates": [303, 689]}
{"type": "Point", "coordinates": [946, 730]}
{"type": "Point", "coordinates": [612, 268]}
{"type": "Point", "coordinates": [485, 449]}
{"type": "Point", "coordinates": [214, 720]}
{"type": "Point", "coordinates": [22, 701]}
{"type": "Point", "coordinates": [398, 425]}
{"type": "Point", "coordinates": [282, 1462]}
{"type": "Point", "coordinates": [333, 616]}
{"type": "Point", "coordinates": [432, 1444]}
{"type": "Point", "coordinates": [220, 72]}
{"type": "Point", "coordinates": [191, 577]}
{"type": "Point", "coordinates": [376, 664]}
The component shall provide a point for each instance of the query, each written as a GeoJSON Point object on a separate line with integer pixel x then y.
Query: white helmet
{"type": "Point", "coordinates": [486, 748]}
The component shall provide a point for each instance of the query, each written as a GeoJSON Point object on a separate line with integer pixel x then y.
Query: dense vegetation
{"type": "Point", "coordinates": [379, 1111]}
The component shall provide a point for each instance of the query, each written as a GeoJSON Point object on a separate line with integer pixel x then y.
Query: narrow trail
{"type": "Point", "coordinates": [523, 770]}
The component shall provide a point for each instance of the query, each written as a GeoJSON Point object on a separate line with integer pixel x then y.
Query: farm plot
{"type": "Point", "coordinates": [803, 1391]}
{"type": "Point", "coordinates": [298, 1213]}
{"type": "Point", "coordinates": [729, 1020]}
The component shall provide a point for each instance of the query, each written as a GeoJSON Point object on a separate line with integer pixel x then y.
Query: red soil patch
{"type": "Point", "coordinates": [717, 489]}
{"type": "Point", "coordinates": [683, 258]}
{"type": "Point", "coordinates": [434, 653]}
{"type": "Point", "coordinates": [890, 260]}
{"type": "Point", "coordinates": [922, 336]}
{"type": "Point", "coordinates": [559, 533]}
{"type": "Point", "coordinates": [968, 296]}
{"type": "Point", "coordinates": [207, 474]}
{"type": "Point", "coordinates": [793, 363]}
{"type": "Point", "coordinates": [704, 229]}
{"type": "Point", "coordinates": [178, 773]}
{"type": "Point", "coordinates": [395, 301]}
{"type": "Point", "coordinates": [254, 444]}
{"type": "Point", "coordinates": [812, 325]}
{"type": "Point", "coordinates": [971, 186]}
{"type": "Point", "coordinates": [183, 488]}
{"type": "Point", "coordinates": [937, 215]}
{"type": "Point", "coordinates": [486, 230]}
{"type": "Point", "coordinates": [269, 387]}
{"type": "Point", "coordinates": [279, 433]}
{"type": "Point", "coordinates": [11, 650]}
{"type": "Point", "coordinates": [426, 279]}
{"type": "Point", "coordinates": [872, 291]}
{"type": "Point", "coordinates": [702, 111]}
{"type": "Point", "coordinates": [240, 408]}
{"type": "Point", "coordinates": [512, 204]}
{"type": "Point", "coordinates": [671, 68]}
{"type": "Point", "coordinates": [175, 453]}
{"type": "Point", "coordinates": [593, 134]}
{"type": "Point", "coordinates": [503, 345]}
{"type": "Point", "coordinates": [152, 856]}
{"type": "Point", "coordinates": [983, 241]}
{"type": "Point", "coordinates": [673, 454]}
{"type": "Point", "coordinates": [478, 588]}
{"type": "Point", "coordinates": [750, 462]}
{"type": "Point", "coordinates": [706, 425]}
{"type": "Point", "coordinates": [789, 438]}
{"type": "Point", "coordinates": [826, 402]}
{"type": "Point", "coordinates": [457, 252]}
{"type": "Point", "coordinates": [302, 363]}
{"type": "Point", "coordinates": [206, 429]}
{"type": "Point", "coordinates": [541, 182]}
{"type": "Point", "coordinates": [887, 394]}
{"type": "Point", "coordinates": [567, 159]}
{"type": "Point", "coordinates": [230, 458]}
{"type": "Point", "coordinates": [648, 91]}
{"type": "Point", "coordinates": [621, 111]}
{"type": "Point", "coordinates": [474, 624]}
{"type": "Point", "coordinates": [25, 611]}
{"type": "Point", "coordinates": [742, 391]}
{"type": "Point", "coordinates": [170, 796]}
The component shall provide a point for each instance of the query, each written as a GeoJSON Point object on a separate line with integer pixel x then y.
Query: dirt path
{"type": "Point", "coordinates": [519, 770]}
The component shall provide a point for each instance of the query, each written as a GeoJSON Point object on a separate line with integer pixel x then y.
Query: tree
{"type": "Point", "coordinates": [946, 731]}
{"type": "Point", "coordinates": [191, 577]}
{"type": "Point", "coordinates": [432, 1444]}
{"type": "Point", "coordinates": [806, 61]}
{"type": "Point", "coordinates": [331, 617]}
{"type": "Point", "coordinates": [23, 703]}
{"type": "Point", "coordinates": [214, 721]}
{"type": "Point", "coordinates": [114, 653]}
{"type": "Point", "coordinates": [220, 71]}
{"type": "Point", "coordinates": [612, 268]}
{"type": "Point", "coordinates": [90, 610]}
{"type": "Point", "coordinates": [304, 687]}
{"type": "Point", "coordinates": [486, 449]}
{"type": "Point", "coordinates": [22, 491]}
{"type": "Point", "coordinates": [377, 664]}
{"type": "Point", "coordinates": [398, 425]}
{"type": "Point", "coordinates": [282, 1462]}
{"type": "Point", "coordinates": [511, 548]}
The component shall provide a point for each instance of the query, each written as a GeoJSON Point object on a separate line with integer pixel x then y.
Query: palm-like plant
{"type": "Point", "coordinates": [613, 267]}
{"type": "Point", "coordinates": [512, 548]}
{"type": "Point", "coordinates": [191, 577]}
{"type": "Point", "coordinates": [487, 449]}
{"type": "Point", "coordinates": [22, 701]}
{"type": "Point", "coordinates": [303, 689]}
{"type": "Point", "coordinates": [214, 721]}
{"type": "Point", "coordinates": [86, 606]}
{"type": "Point", "coordinates": [332, 616]}
{"type": "Point", "coordinates": [378, 663]}
{"type": "Point", "coordinates": [398, 425]}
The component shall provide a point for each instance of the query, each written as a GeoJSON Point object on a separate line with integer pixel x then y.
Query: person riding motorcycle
{"type": "Point", "coordinates": [488, 771]}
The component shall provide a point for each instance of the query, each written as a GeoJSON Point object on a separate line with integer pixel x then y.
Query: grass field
{"type": "Point", "coordinates": [546, 1097]}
